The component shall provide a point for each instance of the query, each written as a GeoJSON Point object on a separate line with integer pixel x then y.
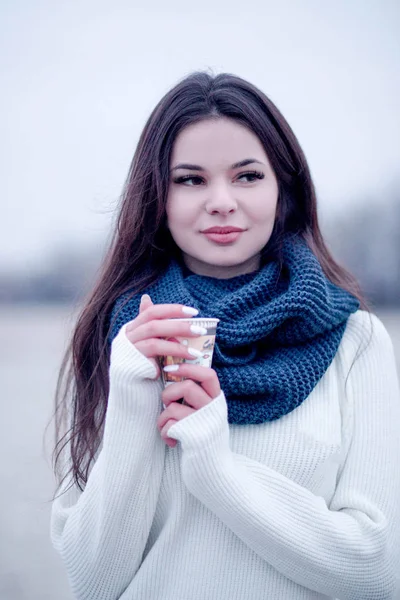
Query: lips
{"type": "Point", "coordinates": [223, 238]}
{"type": "Point", "coordinates": [223, 230]}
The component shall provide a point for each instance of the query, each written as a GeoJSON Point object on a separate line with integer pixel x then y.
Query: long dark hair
{"type": "Point", "coordinates": [141, 245]}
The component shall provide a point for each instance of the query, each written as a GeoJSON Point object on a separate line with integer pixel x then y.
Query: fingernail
{"type": "Point", "coordinates": [146, 297]}
{"type": "Point", "coordinates": [199, 330]}
{"type": "Point", "coordinates": [188, 310]}
{"type": "Point", "coordinates": [195, 352]}
{"type": "Point", "coordinates": [171, 368]}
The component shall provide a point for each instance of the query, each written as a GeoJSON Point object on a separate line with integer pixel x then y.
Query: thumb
{"type": "Point", "coordinates": [145, 302]}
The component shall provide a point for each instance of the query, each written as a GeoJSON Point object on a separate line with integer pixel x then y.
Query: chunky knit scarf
{"type": "Point", "coordinates": [279, 329]}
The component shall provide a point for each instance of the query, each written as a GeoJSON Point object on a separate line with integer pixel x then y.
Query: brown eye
{"type": "Point", "coordinates": [251, 176]}
{"type": "Point", "coordinates": [189, 180]}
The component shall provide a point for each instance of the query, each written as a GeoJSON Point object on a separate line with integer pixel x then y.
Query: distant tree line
{"type": "Point", "coordinates": [65, 278]}
{"type": "Point", "coordinates": [365, 239]}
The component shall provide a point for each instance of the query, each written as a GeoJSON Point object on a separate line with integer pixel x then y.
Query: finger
{"type": "Point", "coordinates": [175, 412]}
{"type": "Point", "coordinates": [205, 376]}
{"type": "Point", "coordinates": [163, 311]}
{"type": "Point", "coordinates": [171, 442]}
{"type": "Point", "coordinates": [164, 328]}
{"type": "Point", "coordinates": [158, 347]}
{"type": "Point", "coordinates": [145, 302]}
{"type": "Point", "coordinates": [193, 394]}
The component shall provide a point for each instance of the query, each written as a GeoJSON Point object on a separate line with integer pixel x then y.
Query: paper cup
{"type": "Point", "coordinates": [203, 343]}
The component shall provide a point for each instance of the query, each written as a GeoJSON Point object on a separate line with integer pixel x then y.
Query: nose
{"type": "Point", "coordinates": [221, 200]}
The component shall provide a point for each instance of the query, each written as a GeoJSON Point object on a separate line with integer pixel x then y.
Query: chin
{"type": "Point", "coordinates": [222, 261]}
{"type": "Point", "coordinates": [229, 260]}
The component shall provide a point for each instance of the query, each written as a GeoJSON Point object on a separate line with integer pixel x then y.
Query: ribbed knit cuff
{"type": "Point", "coordinates": [206, 429]}
{"type": "Point", "coordinates": [127, 362]}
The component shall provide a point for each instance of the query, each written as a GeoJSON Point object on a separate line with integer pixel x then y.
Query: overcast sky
{"type": "Point", "coordinates": [79, 79]}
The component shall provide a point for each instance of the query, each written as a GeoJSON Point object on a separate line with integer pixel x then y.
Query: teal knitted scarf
{"type": "Point", "coordinates": [279, 329]}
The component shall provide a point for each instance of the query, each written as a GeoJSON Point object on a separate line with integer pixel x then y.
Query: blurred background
{"type": "Point", "coordinates": [78, 81]}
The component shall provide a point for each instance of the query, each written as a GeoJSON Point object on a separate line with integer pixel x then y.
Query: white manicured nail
{"type": "Point", "coordinates": [171, 368]}
{"type": "Point", "coordinates": [198, 329]}
{"type": "Point", "coordinates": [188, 310]}
{"type": "Point", "coordinates": [195, 352]}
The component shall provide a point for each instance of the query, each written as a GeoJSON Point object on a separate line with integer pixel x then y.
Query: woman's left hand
{"type": "Point", "coordinates": [200, 388]}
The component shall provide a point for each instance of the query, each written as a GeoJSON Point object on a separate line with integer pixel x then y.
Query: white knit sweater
{"type": "Point", "coordinates": [307, 506]}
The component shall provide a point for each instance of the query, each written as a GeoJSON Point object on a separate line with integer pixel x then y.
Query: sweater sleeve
{"type": "Point", "coordinates": [347, 550]}
{"type": "Point", "coordinates": [101, 532]}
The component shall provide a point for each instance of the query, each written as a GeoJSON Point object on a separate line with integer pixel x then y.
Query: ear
{"type": "Point", "coordinates": [145, 302]}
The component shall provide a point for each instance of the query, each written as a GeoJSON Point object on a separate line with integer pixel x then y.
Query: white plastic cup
{"type": "Point", "coordinates": [202, 343]}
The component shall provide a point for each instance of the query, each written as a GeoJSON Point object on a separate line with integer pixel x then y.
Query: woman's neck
{"type": "Point", "coordinates": [198, 267]}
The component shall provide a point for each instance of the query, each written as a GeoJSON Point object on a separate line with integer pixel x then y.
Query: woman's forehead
{"type": "Point", "coordinates": [223, 140]}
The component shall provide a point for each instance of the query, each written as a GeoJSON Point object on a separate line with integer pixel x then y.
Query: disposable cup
{"type": "Point", "coordinates": [202, 343]}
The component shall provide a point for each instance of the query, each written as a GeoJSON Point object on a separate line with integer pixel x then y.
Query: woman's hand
{"type": "Point", "coordinates": [148, 332]}
{"type": "Point", "coordinates": [200, 388]}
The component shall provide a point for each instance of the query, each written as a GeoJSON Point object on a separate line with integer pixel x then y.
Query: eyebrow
{"type": "Point", "coordinates": [241, 163]}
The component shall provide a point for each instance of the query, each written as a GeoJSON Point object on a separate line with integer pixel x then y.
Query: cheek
{"type": "Point", "coordinates": [263, 209]}
{"type": "Point", "coordinates": [180, 211]}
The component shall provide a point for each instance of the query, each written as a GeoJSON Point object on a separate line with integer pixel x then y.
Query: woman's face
{"type": "Point", "coordinates": [220, 177]}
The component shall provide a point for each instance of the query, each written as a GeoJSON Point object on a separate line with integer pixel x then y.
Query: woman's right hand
{"type": "Point", "coordinates": [150, 331]}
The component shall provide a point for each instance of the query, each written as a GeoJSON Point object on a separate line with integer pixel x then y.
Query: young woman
{"type": "Point", "coordinates": [278, 476]}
